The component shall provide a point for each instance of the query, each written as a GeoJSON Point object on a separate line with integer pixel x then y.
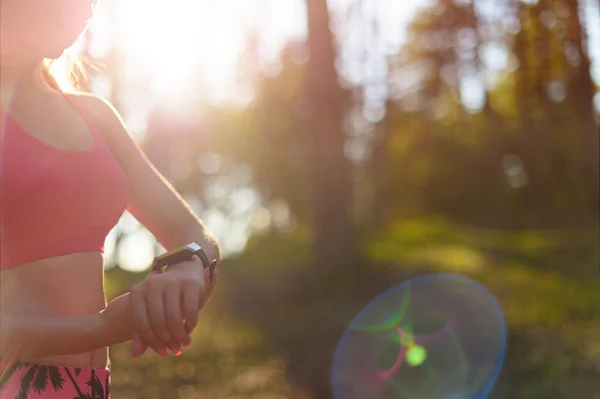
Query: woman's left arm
{"type": "Point", "coordinates": [154, 202]}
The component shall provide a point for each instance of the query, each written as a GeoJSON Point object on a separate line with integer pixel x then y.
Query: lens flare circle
{"type": "Point", "coordinates": [438, 336]}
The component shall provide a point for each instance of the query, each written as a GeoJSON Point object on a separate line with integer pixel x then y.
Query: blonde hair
{"type": "Point", "coordinates": [67, 73]}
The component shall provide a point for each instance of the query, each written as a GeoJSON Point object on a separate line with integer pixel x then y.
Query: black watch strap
{"type": "Point", "coordinates": [205, 262]}
{"type": "Point", "coordinates": [183, 254]}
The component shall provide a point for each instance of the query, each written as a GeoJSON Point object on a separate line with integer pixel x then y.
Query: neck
{"type": "Point", "coordinates": [24, 78]}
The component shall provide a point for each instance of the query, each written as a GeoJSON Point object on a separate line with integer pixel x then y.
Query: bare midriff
{"type": "Point", "coordinates": [62, 286]}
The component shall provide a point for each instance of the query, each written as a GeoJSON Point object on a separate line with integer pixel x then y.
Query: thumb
{"type": "Point", "coordinates": [139, 346]}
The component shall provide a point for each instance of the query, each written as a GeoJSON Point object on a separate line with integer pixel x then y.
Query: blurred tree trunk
{"type": "Point", "coordinates": [527, 104]}
{"type": "Point", "coordinates": [380, 167]}
{"type": "Point", "coordinates": [540, 137]}
{"type": "Point", "coordinates": [494, 123]}
{"type": "Point", "coordinates": [330, 170]}
{"type": "Point", "coordinates": [582, 91]}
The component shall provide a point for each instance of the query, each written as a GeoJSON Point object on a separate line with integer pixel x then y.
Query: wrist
{"type": "Point", "coordinates": [194, 265]}
{"type": "Point", "coordinates": [99, 325]}
{"type": "Point", "coordinates": [204, 254]}
{"type": "Point", "coordinates": [198, 254]}
{"type": "Point", "coordinates": [115, 322]}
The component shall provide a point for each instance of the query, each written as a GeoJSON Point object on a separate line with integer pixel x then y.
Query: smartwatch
{"type": "Point", "coordinates": [183, 254]}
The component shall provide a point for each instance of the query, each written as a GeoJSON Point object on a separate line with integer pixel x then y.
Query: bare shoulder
{"type": "Point", "coordinates": [103, 113]}
{"type": "Point", "coordinates": [94, 103]}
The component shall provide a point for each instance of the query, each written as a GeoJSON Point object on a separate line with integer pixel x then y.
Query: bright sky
{"type": "Point", "coordinates": [165, 43]}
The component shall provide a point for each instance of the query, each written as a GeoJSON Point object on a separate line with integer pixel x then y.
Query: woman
{"type": "Point", "coordinates": [68, 171]}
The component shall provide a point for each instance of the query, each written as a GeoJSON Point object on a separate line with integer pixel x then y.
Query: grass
{"type": "Point", "coordinates": [541, 276]}
{"type": "Point", "coordinates": [548, 284]}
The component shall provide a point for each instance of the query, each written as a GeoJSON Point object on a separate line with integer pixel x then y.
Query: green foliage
{"type": "Point", "coordinates": [445, 157]}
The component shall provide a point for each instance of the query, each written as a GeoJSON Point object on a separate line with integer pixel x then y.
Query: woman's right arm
{"type": "Point", "coordinates": [26, 339]}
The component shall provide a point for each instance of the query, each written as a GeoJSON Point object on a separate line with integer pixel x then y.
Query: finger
{"type": "Point", "coordinates": [142, 321]}
{"type": "Point", "coordinates": [215, 280]}
{"type": "Point", "coordinates": [211, 287]}
{"type": "Point", "coordinates": [207, 277]}
{"type": "Point", "coordinates": [211, 269]}
{"type": "Point", "coordinates": [206, 296]}
{"type": "Point", "coordinates": [139, 346]}
{"type": "Point", "coordinates": [192, 290]}
{"type": "Point", "coordinates": [156, 311]}
{"type": "Point", "coordinates": [203, 295]}
{"type": "Point", "coordinates": [174, 316]}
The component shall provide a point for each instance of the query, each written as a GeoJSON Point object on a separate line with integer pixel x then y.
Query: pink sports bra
{"type": "Point", "coordinates": [53, 201]}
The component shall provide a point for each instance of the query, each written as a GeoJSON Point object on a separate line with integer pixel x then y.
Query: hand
{"type": "Point", "coordinates": [165, 307]}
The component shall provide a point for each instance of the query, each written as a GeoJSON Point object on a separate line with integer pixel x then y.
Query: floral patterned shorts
{"type": "Point", "coordinates": [37, 381]}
